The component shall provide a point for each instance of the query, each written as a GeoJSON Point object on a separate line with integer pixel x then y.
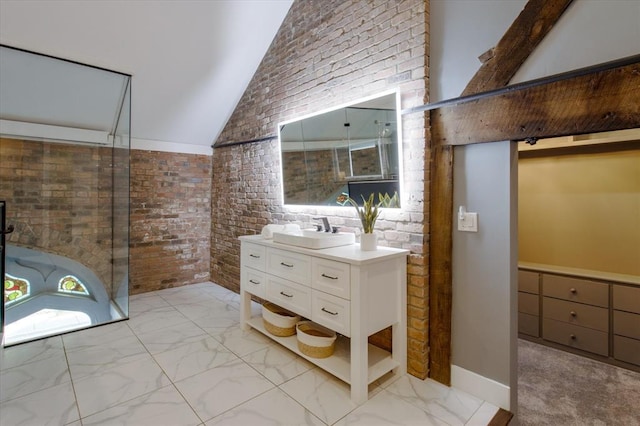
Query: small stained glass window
{"type": "Point", "coordinates": [15, 289]}
{"type": "Point", "coordinates": [71, 284]}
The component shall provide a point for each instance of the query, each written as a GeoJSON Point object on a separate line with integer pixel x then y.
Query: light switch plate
{"type": "Point", "coordinates": [468, 222]}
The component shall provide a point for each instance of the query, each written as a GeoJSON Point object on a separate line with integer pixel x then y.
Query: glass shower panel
{"type": "Point", "coordinates": [121, 145]}
{"type": "Point", "coordinates": [64, 175]}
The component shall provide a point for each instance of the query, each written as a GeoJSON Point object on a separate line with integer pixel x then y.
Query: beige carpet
{"type": "Point", "coordinates": [559, 388]}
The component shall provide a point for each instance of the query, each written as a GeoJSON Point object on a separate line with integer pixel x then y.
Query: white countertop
{"type": "Point", "coordinates": [351, 253]}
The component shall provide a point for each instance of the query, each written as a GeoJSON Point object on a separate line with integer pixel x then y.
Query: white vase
{"type": "Point", "coordinates": [368, 242]}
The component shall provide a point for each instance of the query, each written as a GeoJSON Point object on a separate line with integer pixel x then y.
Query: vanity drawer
{"type": "Point", "coordinates": [254, 256]}
{"type": "Point", "coordinates": [289, 295]}
{"type": "Point", "coordinates": [254, 282]}
{"type": "Point", "coordinates": [332, 312]}
{"type": "Point", "coordinates": [528, 303]}
{"type": "Point", "coordinates": [528, 324]}
{"type": "Point", "coordinates": [626, 324]}
{"type": "Point", "coordinates": [576, 290]}
{"type": "Point", "coordinates": [575, 336]}
{"type": "Point", "coordinates": [528, 282]}
{"type": "Point", "coordinates": [292, 266]}
{"type": "Point", "coordinates": [627, 350]}
{"type": "Point", "coordinates": [576, 313]}
{"type": "Point", "coordinates": [626, 298]}
{"type": "Point", "coordinates": [331, 277]}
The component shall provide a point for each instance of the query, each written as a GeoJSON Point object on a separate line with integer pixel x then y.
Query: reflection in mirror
{"type": "Point", "coordinates": [64, 162]}
{"type": "Point", "coordinates": [352, 150]}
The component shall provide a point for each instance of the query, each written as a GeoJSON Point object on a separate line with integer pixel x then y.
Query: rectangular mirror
{"type": "Point", "coordinates": [352, 150]}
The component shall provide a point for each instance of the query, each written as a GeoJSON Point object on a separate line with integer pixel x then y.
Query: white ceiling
{"type": "Point", "coordinates": [191, 60]}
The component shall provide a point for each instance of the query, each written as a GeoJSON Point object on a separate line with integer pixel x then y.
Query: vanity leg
{"type": "Point", "coordinates": [245, 309]}
{"type": "Point", "coordinates": [359, 369]}
{"type": "Point", "coordinates": [399, 347]}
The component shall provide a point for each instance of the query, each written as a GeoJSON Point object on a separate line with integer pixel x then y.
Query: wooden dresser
{"type": "Point", "coordinates": [589, 313]}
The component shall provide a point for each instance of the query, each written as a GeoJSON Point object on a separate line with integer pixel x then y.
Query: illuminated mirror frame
{"type": "Point", "coordinates": [369, 99]}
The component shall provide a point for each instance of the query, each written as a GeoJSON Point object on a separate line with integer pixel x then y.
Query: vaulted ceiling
{"type": "Point", "coordinates": [190, 60]}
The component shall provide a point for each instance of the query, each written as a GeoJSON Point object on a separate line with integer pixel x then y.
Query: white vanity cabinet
{"type": "Point", "coordinates": [353, 292]}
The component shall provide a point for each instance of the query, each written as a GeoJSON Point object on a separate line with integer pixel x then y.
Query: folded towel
{"type": "Point", "coordinates": [268, 230]}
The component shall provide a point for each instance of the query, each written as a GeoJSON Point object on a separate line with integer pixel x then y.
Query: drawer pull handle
{"type": "Point", "coordinates": [330, 277]}
{"type": "Point", "coordinates": [285, 294]}
{"type": "Point", "coordinates": [572, 336]}
{"type": "Point", "coordinates": [329, 312]}
{"type": "Point", "coordinates": [573, 290]}
{"type": "Point", "coordinates": [255, 256]}
{"type": "Point", "coordinates": [573, 313]}
{"type": "Point", "coordinates": [288, 265]}
{"type": "Point", "coordinates": [254, 282]}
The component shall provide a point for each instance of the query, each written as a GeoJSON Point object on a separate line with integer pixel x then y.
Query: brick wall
{"type": "Point", "coordinates": [170, 220]}
{"type": "Point", "coordinates": [328, 53]}
{"type": "Point", "coordinates": [59, 198]}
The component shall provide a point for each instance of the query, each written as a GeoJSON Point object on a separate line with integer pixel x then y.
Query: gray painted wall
{"type": "Point", "coordinates": [484, 318]}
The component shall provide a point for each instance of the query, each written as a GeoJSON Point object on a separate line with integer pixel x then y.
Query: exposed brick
{"type": "Point", "coordinates": [170, 220]}
{"type": "Point", "coordinates": [328, 53]}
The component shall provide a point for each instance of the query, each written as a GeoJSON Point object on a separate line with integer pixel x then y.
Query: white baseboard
{"type": "Point", "coordinates": [482, 387]}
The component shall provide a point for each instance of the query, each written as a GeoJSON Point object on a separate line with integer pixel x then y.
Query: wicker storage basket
{"type": "Point", "coordinates": [278, 321]}
{"type": "Point", "coordinates": [315, 340]}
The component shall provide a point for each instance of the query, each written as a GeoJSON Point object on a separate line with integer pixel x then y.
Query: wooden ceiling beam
{"type": "Point", "coordinates": [501, 63]}
{"type": "Point", "coordinates": [603, 101]}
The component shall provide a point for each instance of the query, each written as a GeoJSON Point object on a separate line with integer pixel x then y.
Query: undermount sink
{"type": "Point", "coordinates": [312, 239]}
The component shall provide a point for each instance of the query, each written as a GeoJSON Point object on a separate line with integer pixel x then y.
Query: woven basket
{"type": "Point", "coordinates": [278, 321]}
{"type": "Point", "coordinates": [314, 340]}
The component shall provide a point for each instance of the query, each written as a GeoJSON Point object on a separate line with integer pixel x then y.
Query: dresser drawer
{"type": "Point", "coordinates": [576, 313]}
{"type": "Point", "coordinates": [576, 290]}
{"type": "Point", "coordinates": [528, 303]}
{"type": "Point", "coordinates": [289, 295]}
{"type": "Point", "coordinates": [331, 277]}
{"type": "Point", "coordinates": [627, 350]}
{"type": "Point", "coordinates": [528, 324]}
{"type": "Point", "coordinates": [292, 266]}
{"type": "Point", "coordinates": [331, 311]}
{"type": "Point", "coordinates": [626, 298]}
{"type": "Point", "coordinates": [528, 282]}
{"type": "Point", "coordinates": [254, 282]}
{"type": "Point", "coordinates": [254, 256]}
{"type": "Point", "coordinates": [626, 324]}
{"type": "Point", "coordinates": [575, 336]}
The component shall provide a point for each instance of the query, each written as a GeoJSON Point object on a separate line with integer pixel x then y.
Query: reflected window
{"type": "Point", "coordinates": [15, 289]}
{"type": "Point", "coordinates": [71, 284]}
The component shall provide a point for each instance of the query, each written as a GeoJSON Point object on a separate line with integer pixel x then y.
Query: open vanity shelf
{"type": "Point", "coordinates": [380, 361]}
{"type": "Point", "coordinates": [353, 292]}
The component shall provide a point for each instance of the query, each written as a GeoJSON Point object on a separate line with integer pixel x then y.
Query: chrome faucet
{"type": "Point", "coordinates": [325, 223]}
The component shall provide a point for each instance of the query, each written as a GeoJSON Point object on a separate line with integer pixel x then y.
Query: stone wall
{"type": "Point", "coordinates": [170, 220]}
{"type": "Point", "coordinates": [328, 53]}
{"type": "Point", "coordinates": [59, 199]}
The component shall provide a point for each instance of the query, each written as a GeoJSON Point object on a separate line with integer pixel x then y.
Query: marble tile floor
{"type": "Point", "coordinates": [182, 359]}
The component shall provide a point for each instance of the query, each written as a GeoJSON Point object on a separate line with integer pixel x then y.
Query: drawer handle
{"type": "Point", "coordinates": [329, 312]}
{"type": "Point", "coordinates": [285, 294]}
{"type": "Point", "coordinates": [288, 265]}
{"type": "Point", "coordinates": [572, 336]}
{"type": "Point", "coordinates": [255, 256]}
{"type": "Point", "coordinates": [254, 282]}
{"type": "Point", "coordinates": [573, 313]}
{"type": "Point", "coordinates": [573, 290]}
{"type": "Point", "coordinates": [330, 277]}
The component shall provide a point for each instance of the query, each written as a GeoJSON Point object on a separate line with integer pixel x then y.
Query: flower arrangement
{"type": "Point", "coordinates": [368, 213]}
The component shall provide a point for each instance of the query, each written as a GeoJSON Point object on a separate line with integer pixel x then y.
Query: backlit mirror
{"type": "Point", "coordinates": [352, 150]}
